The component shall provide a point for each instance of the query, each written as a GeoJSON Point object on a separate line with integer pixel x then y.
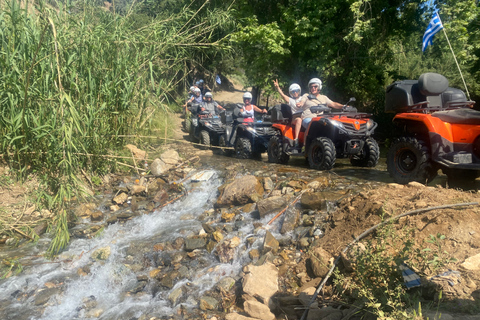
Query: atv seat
{"type": "Point", "coordinates": [430, 92]}
{"type": "Point", "coordinates": [281, 113]}
{"type": "Point", "coordinates": [459, 116]}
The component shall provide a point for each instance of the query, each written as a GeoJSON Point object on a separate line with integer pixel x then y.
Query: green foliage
{"type": "Point", "coordinates": [75, 77]}
{"type": "Point", "coordinates": [10, 267]}
{"type": "Point", "coordinates": [376, 278]}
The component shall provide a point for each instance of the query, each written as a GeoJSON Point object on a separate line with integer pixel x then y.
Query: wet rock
{"type": "Point", "coordinates": [175, 296]}
{"type": "Point", "coordinates": [226, 250]}
{"type": "Point", "coordinates": [208, 228]}
{"type": "Point", "coordinates": [290, 221]}
{"type": "Point", "coordinates": [227, 216]}
{"type": "Point", "coordinates": [320, 262]}
{"type": "Point", "coordinates": [319, 183]}
{"type": "Point", "coordinates": [260, 282]}
{"type": "Point", "coordinates": [41, 228]}
{"type": "Point", "coordinates": [169, 279]}
{"type": "Point", "coordinates": [155, 273]}
{"type": "Point", "coordinates": [270, 243]}
{"type": "Point", "coordinates": [43, 296]}
{"type": "Point", "coordinates": [94, 314]}
{"type": "Point", "coordinates": [268, 184]}
{"type": "Point", "coordinates": [226, 283]}
{"type": "Point", "coordinates": [241, 191]}
{"type": "Point", "coordinates": [254, 254]}
{"type": "Point", "coordinates": [159, 167]}
{"type": "Point", "coordinates": [249, 207]}
{"type": "Point", "coordinates": [101, 253]}
{"type": "Point", "coordinates": [258, 310]}
{"type": "Point", "coordinates": [194, 243]}
{"type": "Point", "coordinates": [114, 208]}
{"type": "Point", "coordinates": [160, 197]}
{"type": "Point", "coordinates": [208, 303]}
{"type": "Point", "coordinates": [121, 198]}
{"type": "Point", "coordinates": [84, 210]}
{"type": "Point", "coordinates": [270, 205]}
{"type": "Point", "coordinates": [137, 189]}
{"type": "Point", "coordinates": [96, 215]}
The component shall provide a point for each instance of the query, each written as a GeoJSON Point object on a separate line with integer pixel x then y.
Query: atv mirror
{"type": "Point", "coordinates": [352, 99]}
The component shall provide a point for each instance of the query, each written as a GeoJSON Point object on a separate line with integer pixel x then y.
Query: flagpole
{"type": "Point", "coordinates": [458, 66]}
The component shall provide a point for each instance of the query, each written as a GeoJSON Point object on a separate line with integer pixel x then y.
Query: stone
{"type": "Point", "coordinates": [137, 189]}
{"type": "Point", "coordinates": [43, 296]}
{"type": "Point", "coordinates": [290, 221]}
{"type": "Point", "coordinates": [170, 157]}
{"type": "Point", "coordinates": [208, 303]}
{"type": "Point", "coordinates": [194, 243]}
{"type": "Point", "coordinates": [121, 198]}
{"type": "Point", "coordinates": [254, 254]}
{"type": "Point", "coordinates": [241, 191]}
{"type": "Point", "coordinates": [40, 228]}
{"type": "Point", "coordinates": [175, 296]}
{"type": "Point", "coordinates": [268, 184]}
{"type": "Point", "coordinates": [319, 183]}
{"type": "Point", "coordinates": [101, 253]}
{"type": "Point", "coordinates": [137, 153]}
{"type": "Point", "coordinates": [96, 215]}
{"type": "Point", "coordinates": [320, 262]}
{"type": "Point", "coordinates": [226, 283]}
{"type": "Point", "coordinates": [258, 310]}
{"type": "Point", "coordinates": [158, 167]}
{"type": "Point", "coordinates": [306, 295]}
{"type": "Point", "coordinates": [270, 243]}
{"type": "Point", "coordinates": [272, 204]}
{"type": "Point", "coordinates": [236, 316]}
{"type": "Point", "coordinates": [472, 263]}
{"type": "Point", "coordinates": [261, 282]}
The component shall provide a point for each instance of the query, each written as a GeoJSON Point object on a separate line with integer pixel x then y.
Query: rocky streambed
{"type": "Point", "coordinates": [208, 238]}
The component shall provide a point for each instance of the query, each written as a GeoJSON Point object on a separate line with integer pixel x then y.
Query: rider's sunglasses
{"type": "Point", "coordinates": [314, 86]}
{"type": "Point", "coordinates": [296, 91]}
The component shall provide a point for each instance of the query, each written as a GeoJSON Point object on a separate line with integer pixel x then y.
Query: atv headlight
{"type": "Point", "coordinates": [337, 124]}
{"type": "Point", "coordinates": [251, 129]}
{"type": "Point", "coordinates": [208, 124]}
{"type": "Point", "coordinates": [370, 124]}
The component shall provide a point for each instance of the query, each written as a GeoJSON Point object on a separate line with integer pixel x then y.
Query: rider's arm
{"type": "Point", "coordinates": [335, 105]}
{"type": "Point", "coordinates": [258, 109]}
{"type": "Point", "coordinates": [284, 96]}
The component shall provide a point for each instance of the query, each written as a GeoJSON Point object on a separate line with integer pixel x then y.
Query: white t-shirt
{"type": "Point", "coordinates": [293, 104]}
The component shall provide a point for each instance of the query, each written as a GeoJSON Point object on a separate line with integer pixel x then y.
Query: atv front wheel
{"type": "Point", "coordinates": [205, 138]}
{"type": "Point", "coordinates": [243, 148]}
{"type": "Point", "coordinates": [322, 154]}
{"type": "Point", "coordinates": [370, 155]}
{"type": "Point", "coordinates": [409, 160]}
{"type": "Point", "coordinates": [275, 151]}
{"type": "Point", "coordinates": [187, 123]}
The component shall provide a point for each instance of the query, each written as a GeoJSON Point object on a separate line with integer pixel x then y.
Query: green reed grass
{"type": "Point", "coordinates": [74, 76]}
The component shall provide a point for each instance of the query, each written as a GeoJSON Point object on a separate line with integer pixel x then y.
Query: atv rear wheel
{"type": "Point", "coordinates": [370, 155]}
{"type": "Point", "coordinates": [322, 154]}
{"type": "Point", "coordinates": [205, 138]}
{"type": "Point", "coordinates": [191, 133]}
{"type": "Point", "coordinates": [275, 151]}
{"type": "Point", "coordinates": [243, 148]}
{"type": "Point", "coordinates": [409, 160]}
{"type": "Point", "coordinates": [187, 123]}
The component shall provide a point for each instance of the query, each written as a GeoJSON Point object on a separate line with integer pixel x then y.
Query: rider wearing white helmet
{"type": "Point", "coordinates": [314, 98]}
{"type": "Point", "coordinates": [293, 101]}
{"type": "Point", "coordinates": [248, 109]}
{"type": "Point", "coordinates": [209, 105]}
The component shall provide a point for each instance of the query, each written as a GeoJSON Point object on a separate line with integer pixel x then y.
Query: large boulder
{"type": "Point", "coordinates": [261, 282]}
{"type": "Point", "coordinates": [320, 261]}
{"type": "Point", "coordinates": [241, 191]}
{"type": "Point", "coordinates": [159, 167]}
{"type": "Point", "coordinates": [272, 204]}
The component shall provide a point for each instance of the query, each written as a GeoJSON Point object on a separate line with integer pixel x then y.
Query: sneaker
{"type": "Point", "coordinates": [295, 143]}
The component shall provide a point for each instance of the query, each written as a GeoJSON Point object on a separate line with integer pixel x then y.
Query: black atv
{"type": "Point", "coordinates": [206, 128]}
{"type": "Point", "coordinates": [249, 139]}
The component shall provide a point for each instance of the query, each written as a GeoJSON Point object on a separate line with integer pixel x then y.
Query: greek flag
{"type": "Point", "coordinates": [434, 26]}
{"type": "Point", "coordinates": [218, 80]}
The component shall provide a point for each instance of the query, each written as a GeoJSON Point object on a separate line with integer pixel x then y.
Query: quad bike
{"type": "Point", "coordinates": [329, 136]}
{"type": "Point", "coordinates": [190, 113]}
{"type": "Point", "coordinates": [436, 129]}
{"type": "Point", "coordinates": [206, 128]}
{"type": "Point", "coordinates": [249, 139]}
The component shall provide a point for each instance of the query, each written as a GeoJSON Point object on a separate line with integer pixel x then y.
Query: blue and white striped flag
{"type": "Point", "coordinates": [434, 26]}
{"type": "Point", "coordinates": [218, 80]}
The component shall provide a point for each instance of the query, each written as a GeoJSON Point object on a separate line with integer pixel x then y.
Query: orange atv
{"type": "Point", "coordinates": [436, 129]}
{"type": "Point", "coordinates": [329, 136]}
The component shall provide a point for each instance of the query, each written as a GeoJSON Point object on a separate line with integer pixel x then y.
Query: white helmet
{"type": "Point", "coordinates": [208, 95]}
{"type": "Point", "coordinates": [294, 87]}
{"type": "Point", "coordinates": [192, 88]}
{"type": "Point", "coordinates": [197, 90]}
{"type": "Point", "coordinates": [315, 81]}
{"type": "Point", "coordinates": [247, 95]}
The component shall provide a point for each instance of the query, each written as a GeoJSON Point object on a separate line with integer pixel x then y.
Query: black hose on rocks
{"type": "Point", "coordinates": [365, 233]}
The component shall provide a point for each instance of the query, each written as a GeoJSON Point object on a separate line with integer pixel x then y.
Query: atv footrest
{"type": "Point", "coordinates": [459, 157]}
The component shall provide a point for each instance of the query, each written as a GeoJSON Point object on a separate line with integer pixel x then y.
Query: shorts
{"type": "Point", "coordinates": [305, 122]}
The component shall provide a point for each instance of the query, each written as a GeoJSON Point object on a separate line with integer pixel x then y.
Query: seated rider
{"type": "Point", "coordinates": [293, 101]}
{"type": "Point", "coordinates": [210, 105]}
{"type": "Point", "coordinates": [203, 87]}
{"type": "Point", "coordinates": [248, 110]}
{"type": "Point", "coordinates": [314, 99]}
{"type": "Point", "coordinates": [196, 98]}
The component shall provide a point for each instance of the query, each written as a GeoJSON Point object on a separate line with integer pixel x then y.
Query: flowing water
{"type": "Point", "coordinates": [109, 283]}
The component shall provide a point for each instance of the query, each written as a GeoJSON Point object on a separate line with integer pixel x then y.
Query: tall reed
{"type": "Point", "coordinates": [74, 77]}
